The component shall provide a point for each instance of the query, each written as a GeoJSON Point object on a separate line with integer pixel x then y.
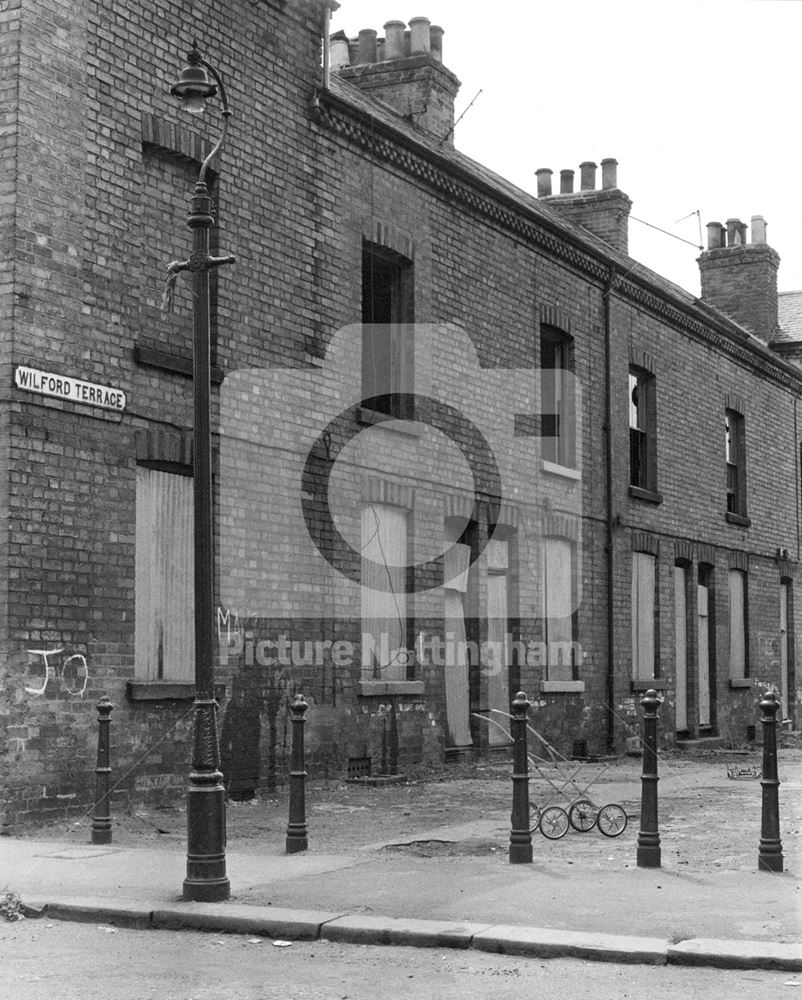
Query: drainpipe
{"type": "Point", "coordinates": [327, 44]}
{"type": "Point", "coordinates": [608, 447]}
{"type": "Point", "coordinates": [796, 477]}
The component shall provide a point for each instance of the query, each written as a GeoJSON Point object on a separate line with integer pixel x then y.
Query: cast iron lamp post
{"type": "Point", "coordinates": [206, 802]}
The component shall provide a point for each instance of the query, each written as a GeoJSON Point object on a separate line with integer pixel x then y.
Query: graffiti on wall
{"type": "Point", "coordinates": [52, 666]}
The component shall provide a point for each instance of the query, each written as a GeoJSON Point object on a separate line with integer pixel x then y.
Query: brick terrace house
{"type": "Point", "coordinates": [464, 444]}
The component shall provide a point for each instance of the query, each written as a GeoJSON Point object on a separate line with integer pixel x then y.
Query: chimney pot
{"type": "Point", "coordinates": [758, 229]}
{"type": "Point", "coordinates": [419, 88]}
{"type": "Point", "coordinates": [543, 182]}
{"type": "Point", "coordinates": [715, 235]}
{"type": "Point", "coordinates": [366, 49]}
{"type": "Point", "coordinates": [436, 35]}
{"type": "Point", "coordinates": [744, 284]}
{"type": "Point", "coordinates": [394, 39]}
{"type": "Point", "coordinates": [421, 38]}
{"type": "Point", "coordinates": [603, 213]}
{"type": "Point", "coordinates": [609, 173]}
{"type": "Point", "coordinates": [339, 51]}
{"type": "Point", "coordinates": [733, 230]}
{"type": "Point", "coordinates": [587, 173]}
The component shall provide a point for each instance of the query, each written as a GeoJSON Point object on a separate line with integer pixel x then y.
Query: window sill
{"type": "Point", "coordinates": [741, 682]}
{"type": "Point", "coordinates": [401, 425]}
{"type": "Point", "coordinates": [562, 687]}
{"type": "Point", "coordinates": [378, 689]}
{"type": "Point", "coordinates": [167, 691]}
{"type": "Point", "coordinates": [649, 496]}
{"type": "Point", "coordinates": [740, 519]}
{"type": "Point", "coordinates": [563, 471]}
{"type": "Point", "coordinates": [656, 684]}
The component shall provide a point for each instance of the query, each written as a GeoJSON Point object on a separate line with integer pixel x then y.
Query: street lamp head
{"type": "Point", "coordinates": [194, 86]}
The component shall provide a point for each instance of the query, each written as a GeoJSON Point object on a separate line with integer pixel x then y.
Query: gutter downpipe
{"type": "Point", "coordinates": [326, 47]}
{"type": "Point", "coordinates": [608, 457]}
{"type": "Point", "coordinates": [797, 477]}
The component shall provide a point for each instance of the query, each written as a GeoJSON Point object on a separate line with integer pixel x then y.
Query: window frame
{"type": "Point", "coordinates": [642, 433]}
{"type": "Point", "coordinates": [558, 447]}
{"type": "Point", "coordinates": [735, 460]}
{"type": "Point", "coordinates": [388, 311]}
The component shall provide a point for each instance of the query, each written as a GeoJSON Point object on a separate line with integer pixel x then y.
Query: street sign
{"type": "Point", "coordinates": [73, 389]}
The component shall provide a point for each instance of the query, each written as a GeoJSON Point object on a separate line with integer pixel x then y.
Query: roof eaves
{"type": "Point", "coordinates": [385, 120]}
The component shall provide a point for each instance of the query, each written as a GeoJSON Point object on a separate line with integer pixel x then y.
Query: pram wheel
{"type": "Point", "coordinates": [554, 822]}
{"type": "Point", "coordinates": [611, 820]}
{"type": "Point", "coordinates": [582, 815]}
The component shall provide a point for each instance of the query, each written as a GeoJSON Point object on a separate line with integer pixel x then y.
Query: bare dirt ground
{"type": "Point", "coordinates": [708, 819]}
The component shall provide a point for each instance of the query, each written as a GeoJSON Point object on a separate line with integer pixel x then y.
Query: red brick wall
{"type": "Point", "coordinates": [98, 216]}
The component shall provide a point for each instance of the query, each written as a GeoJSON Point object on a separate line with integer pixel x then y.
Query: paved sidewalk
{"type": "Point", "coordinates": [604, 909]}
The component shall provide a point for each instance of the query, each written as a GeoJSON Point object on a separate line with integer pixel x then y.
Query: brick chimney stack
{"type": "Point", "coordinates": [604, 211]}
{"type": "Point", "coordinates": [740, 278]}
{"type": "Point", "coordinates": [404, 69]}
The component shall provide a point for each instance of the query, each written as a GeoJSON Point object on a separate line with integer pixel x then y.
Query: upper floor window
{"type": "Point", "coordinates": [388, 310]}
{"type": "Point", "coordinates": [558, 426]}
{"type": "Point", "coordinates": [642, 430]}
{"type": "Point", "coordinates": [734, 445]}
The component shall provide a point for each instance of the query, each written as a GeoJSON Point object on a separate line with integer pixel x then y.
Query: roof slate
{"type": "Point", "coordinates": [790, 310]}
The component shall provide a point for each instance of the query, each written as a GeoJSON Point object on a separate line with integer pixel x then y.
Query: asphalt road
{"type": "Point", "coordinates": [52, 960]}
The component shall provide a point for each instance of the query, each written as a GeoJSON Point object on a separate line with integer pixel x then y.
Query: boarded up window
{"type": "Point", "coordinates": [384, 607]}
{"type": "Point", "coordinates": [496, 659]}
{"type": "Point", "coordinates": [165, 636]}
{"type": "Point", "coordinates": [738, 661]}
{"type": "Point", "coordinates": [558, 604]}
{"type": "Point", "coordinates": [457, 563]}
{"type": "Point", "coordinates": [643, 611]}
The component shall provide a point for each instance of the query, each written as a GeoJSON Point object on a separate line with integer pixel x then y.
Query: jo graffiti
{"type": "Point", "coordinates": [70, 671]}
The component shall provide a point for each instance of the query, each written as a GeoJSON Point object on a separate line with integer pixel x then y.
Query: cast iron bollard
{"type": "Point", "coordinates": [101, 820]}
{"type": "Point", "coordinates": [649, 838]}
{"type": "Point", "coordinates": [296, 828]}
{"type": "Point", "coordinates": [770, 855]}
{"type": "Point", "coordinates": [520, 833]}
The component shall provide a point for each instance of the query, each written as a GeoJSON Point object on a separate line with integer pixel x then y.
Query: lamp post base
{"type": "Point", "coordinates": [648, 856]}
{"type": "Point", "coordinates": [101, 834]}
{"type": "Point", "coordinates": [206, 890]}
{"type": "Point", "coordinates": [520, 852]}
{"type": "Point", "coordinates": [297, 839]}
{"type": "Point", "coordinates": [206, 880]}
{"type": "Point", "coordinates": [770, 857]}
